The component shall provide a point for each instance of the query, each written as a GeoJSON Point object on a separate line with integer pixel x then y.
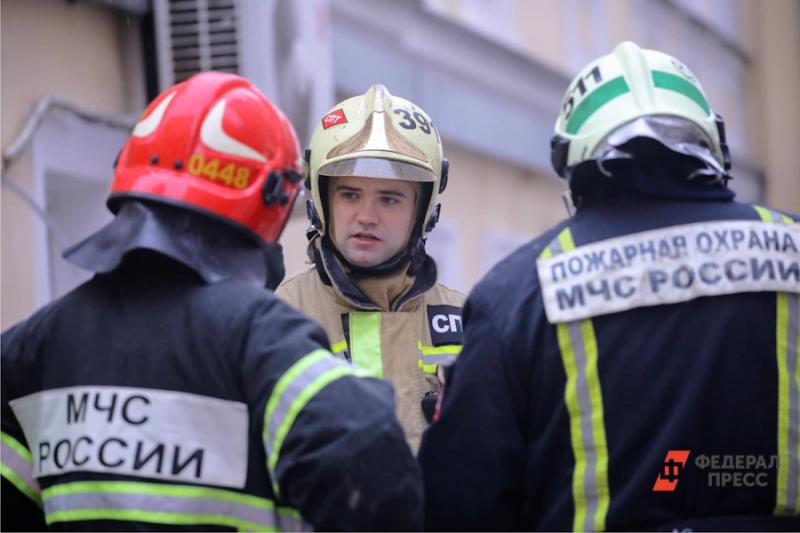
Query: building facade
{"type": "Point", "coordinates": [491, 73]}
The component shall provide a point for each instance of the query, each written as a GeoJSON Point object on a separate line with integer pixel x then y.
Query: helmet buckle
{"type": "Point", "coordinates": [445, 172]}
{"type": "Point", "coordinates": [434, 218]}
{"type": "Point", "coordinates": [273, 189]}
{"type": "Point", "coordinates": [313, 216]}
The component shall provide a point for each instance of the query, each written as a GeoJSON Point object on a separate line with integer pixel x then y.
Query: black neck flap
{"type": "Point", "coordinates": [200, 241]}
{"type": "Point", "coordinates": [653, 171]}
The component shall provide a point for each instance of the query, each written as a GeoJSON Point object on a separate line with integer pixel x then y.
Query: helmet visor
{"type": "Point", "coordinates": [374, 167]}
{"type": "Point", "coordinates": [675, 133]}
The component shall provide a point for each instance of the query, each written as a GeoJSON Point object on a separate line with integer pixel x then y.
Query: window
{"type": "Point", "coordinates": [73, 169]}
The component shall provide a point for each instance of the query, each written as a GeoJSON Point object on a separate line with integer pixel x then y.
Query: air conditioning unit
{"type": "Point", "coordinates": [193, 36]}
{"type": "Point", "coordinates": [282, 46]}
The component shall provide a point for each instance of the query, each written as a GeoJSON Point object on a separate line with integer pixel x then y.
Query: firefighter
{"type": "Point", "coordinates": [375, 169]}
{"type": "Point", "coordinates": [172, 390]}
{"type": "Point", "coordinates": [636, 366]}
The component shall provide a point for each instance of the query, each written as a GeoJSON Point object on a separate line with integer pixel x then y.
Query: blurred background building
{"type": "Point", "coordinates": [491, 73]}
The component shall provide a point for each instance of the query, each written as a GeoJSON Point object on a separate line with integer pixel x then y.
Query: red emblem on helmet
{"type": "Point", "coordinates": [333, 118]}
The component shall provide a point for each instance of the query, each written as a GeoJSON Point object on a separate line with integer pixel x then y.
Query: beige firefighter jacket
{"type": "Point", "coordinates": [405, 345]}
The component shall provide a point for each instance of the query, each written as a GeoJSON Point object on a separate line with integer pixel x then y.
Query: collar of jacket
{"type": "Point", "coordinates": [212, 247]}
{"type": "Point", "coordinates": [332, 274]}
{"type": "Point", "coordinates": [663, 177]}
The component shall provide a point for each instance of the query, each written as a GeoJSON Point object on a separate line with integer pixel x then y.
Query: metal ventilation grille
{"type": "Point", "coordinates": [196, 35]}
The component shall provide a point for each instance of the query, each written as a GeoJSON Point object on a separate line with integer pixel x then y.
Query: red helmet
{"type": "Point", "coordinates": [215, 143]}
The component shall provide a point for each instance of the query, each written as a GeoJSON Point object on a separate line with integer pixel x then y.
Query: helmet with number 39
{"type": "Point", "coordinates": [214, 143]}
{"type": "Point", "coordinates": [376, 135]}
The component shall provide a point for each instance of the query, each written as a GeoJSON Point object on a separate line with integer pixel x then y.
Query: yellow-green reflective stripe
{"type": "Point", "coordinates": [17, 446]}
{"type": "Point", "coordinates": [181, 500]}
{"type": "Point", "coordinates": [576, 438]}
{"type": "Point", "coordinates": [768, 215]}
{"type": "Point", "coordinates": [428, 369]}
{"type": "Point", "coordinates": [339, 347]}
{"type": "Point", "coordinates": [21, 485]}
{"type": "Point", "coordinates": [294, 390]}
{"type": "Point", "coordinates": [278, 394]}
{"type": "Point", "coordinates": [583, 396]}
{"type": "Point", "coordinates": [132, 487]}
{"type": "Point", "coordinates": [764, 213]}
{"type": "Point", "coordinates": [365, 342]}
{"type": "Point", "coordinates": [289, 387]}
{"type": "Point", "coordinates": [787, 342]}
{"type": "Point", "coordinates": [787, 499]}
{"type": "Point", "coordinates": [432, 356]}
{"type": "Point", "coordinates": [794, 323]}
{"type": "Point", "coordinates": [16, 466]}
{"type": "Point", "coordinates": [294, 410]}
{"type": "Point", "coordinates": [444, 349]}
{"type": "Point", "coordinates": [154, 517]}
{"type": "Point", "coordinates": [598, 425]}
{"type": "Point", "coordinates": [565, 240]}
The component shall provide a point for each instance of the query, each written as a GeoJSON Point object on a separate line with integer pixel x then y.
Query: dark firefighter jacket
{"type": "Point", "coordinates": [173, 391]}
{"type": "Point", "coordinates": [635, 367]}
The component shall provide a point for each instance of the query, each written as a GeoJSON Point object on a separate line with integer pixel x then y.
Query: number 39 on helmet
{"type": "Point", "coordinates": [377, 135]}
{"type": "Point", "coordinates": [214, 144]}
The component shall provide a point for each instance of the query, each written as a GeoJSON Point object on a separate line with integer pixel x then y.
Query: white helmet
{"type": "Point", "coordinates": [376, 135]}
{"type": "Point", "coordinates": [636, 93]}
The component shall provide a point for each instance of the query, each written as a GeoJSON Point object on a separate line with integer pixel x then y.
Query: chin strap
{"type": "Point", "coordinates": [387, 268]}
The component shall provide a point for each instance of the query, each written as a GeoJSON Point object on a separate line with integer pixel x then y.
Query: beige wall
{"type": "Point", "coordinates": [778, 79]}
{"type": "Point", "coordinates": [49, 48]}
{"type": "Point", "coordinates": [294, 243]}
{"type": "Point", "coordinates": [539, 27]}
{"type": "Point", "coordinates": [762, 113]}
{"type": "Point", "coordinates": [87, 54]}
{"type": "Point", "coordinates": [486, 196]}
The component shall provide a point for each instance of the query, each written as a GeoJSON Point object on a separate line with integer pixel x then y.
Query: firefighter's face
{"type": "Point", "coordinates": [371, 219]}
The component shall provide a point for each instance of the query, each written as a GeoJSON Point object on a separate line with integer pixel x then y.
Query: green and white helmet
{"type": "Point", "coordinates": [376, 135]}
{"type": "Point", "coordinates": [636, 93]}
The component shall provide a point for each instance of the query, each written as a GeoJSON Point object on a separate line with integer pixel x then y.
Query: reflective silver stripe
{"type": "Point", "coordinates": [773, 216]}
{"type": "Point", "coordinates": [293, 390]}
{"type": "Point", "coordinates": [21, 468]}
{"type": "Point", "coordinates": [793, 437]}
{"type": "Point", "coordinates": [768, 215]}
{"type": "Point", "coordinates": [587, 435]}
{"type": "Point", "coordinates": [438, 359]}
{"type": "Point", "coordinates": [194, 510]}
{"type": "Point", "coordinates": [163, 504]}
{"type": "Point", "coordinates": [787, 497]}
{"type": "Point", "coordinates": [583, 397]}
{"type": "Point", "coordinates": [776, 217]}
{"type": "Point", "coordinates": [555, 246]}
{"type": "Point", "coordinates": [296, 387]}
